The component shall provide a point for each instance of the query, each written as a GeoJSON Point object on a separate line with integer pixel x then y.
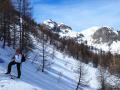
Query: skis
{"type": "Point", "coordinates": [11, 76]}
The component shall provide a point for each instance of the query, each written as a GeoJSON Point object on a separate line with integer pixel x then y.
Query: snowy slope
{"type": "Point", "coordinates": [67, 67]}
{"type": "Point", "coordinates": [9, 84]}
{"type": "Point", "coordinates": [5, 82]}
{"type": "Point", "coordinates": [90, 31]}
{"type": "Point", "coordinates": [61, 75]}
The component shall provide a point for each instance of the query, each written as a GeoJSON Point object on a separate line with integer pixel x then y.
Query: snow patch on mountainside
{"type": "Point", "coordinates": [49, 23]}
{"type": "Point", "coordinates": [90, 31]}
{"type": "Point", "coordinates": [59, 28]}
{"type": "Point", "coordinates": [69, 34]}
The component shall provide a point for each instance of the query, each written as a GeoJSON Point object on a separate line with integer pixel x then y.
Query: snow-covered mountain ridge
{"type": "Point", "coordinates": [104, 38]}
{"type": "Point", "coordinates": [57, 27]}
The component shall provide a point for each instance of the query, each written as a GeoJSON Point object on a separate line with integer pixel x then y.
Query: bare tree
{"type": "Point", "coordinates": [82, 80]}
{"type": "Point", "coordinates": [45, 53]}
{"type": "Point", "coordinates": [5, 13]}
{"type": "Point", "coordinates": [103, 71]}
{"type": "Point", "coordinates": [23, 7]}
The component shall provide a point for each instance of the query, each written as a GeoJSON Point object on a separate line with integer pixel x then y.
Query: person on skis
{"type": "Point", "coordinates": [16, 60]}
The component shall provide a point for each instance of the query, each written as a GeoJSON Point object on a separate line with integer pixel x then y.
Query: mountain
{"type": "Point", "coordinates": [64, 28]}
{"type": "Point", "coordinates": [50, 24]}
{"type": "Point", "coordinates": [104, 38]}
{"type": "Point", "coordinates": [106, 35]}
{"type": "Point", "coordinates": [60, 28]}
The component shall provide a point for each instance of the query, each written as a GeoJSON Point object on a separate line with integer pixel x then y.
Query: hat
{"type": "Point", "coordinates": [18, 50]}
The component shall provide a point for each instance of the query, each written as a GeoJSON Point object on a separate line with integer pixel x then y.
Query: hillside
{"type": "Point", "coordinates": [62, 74]}
{"type": "Point", "coordinates": [59, 76]}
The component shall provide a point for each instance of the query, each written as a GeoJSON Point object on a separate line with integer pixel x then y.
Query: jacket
{"type": "Point", "coordinates": [18, 58]}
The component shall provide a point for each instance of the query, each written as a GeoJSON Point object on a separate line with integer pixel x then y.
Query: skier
{"type": "Point", "coordinates": [17, 59]}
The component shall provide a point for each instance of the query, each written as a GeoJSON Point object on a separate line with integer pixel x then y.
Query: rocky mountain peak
{"type": "Point", "coordinates": [105, 35]}
{"type": "Point", "coordinates": [56, 27]}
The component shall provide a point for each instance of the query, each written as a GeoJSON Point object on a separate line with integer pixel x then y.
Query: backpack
{"type": "Point", "coordinates": [23, 58]}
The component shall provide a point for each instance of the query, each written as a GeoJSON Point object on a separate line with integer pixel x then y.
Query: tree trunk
{"type": "Point", "coordinates": [43, 54]}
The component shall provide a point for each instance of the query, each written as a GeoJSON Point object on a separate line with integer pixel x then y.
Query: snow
{"type": "Point", "coordinates": [115, 32]}
{"type": "Point", "coordinates": [90, 31]}
{"type": "Point", "coordinates": [63, 31]}
{"type": "Point", "coordinates": [5, 82]}
{"type": "Point", "coordinates": [87, 33]}
{"type": "Point", "coordinates": [61, 24]}
{"type": "Point", "coordinates": [114, 81]}
{"type": "Point", "coordinates": [61, 75]}
{"type": "Point", "coordinates": [8, 84]}
{"type": "Point", "coordinates": [69, 34]}
{"type": "Point", "coordinates": [49, 23]}
{"type": "Point", "coordinates": [115, 47]}
{"type": "Point", "coordinates": [93, 77]}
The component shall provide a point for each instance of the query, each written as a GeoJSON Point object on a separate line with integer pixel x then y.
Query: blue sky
{"type": "Point", "coordinates": [79, 14]}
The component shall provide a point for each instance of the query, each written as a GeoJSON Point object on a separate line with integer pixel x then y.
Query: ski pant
{"type": "Point", "coordinates": [18, 67]}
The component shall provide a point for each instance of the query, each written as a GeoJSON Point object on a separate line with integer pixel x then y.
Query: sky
{"type": "Point", "coordinates": [78, 14]}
